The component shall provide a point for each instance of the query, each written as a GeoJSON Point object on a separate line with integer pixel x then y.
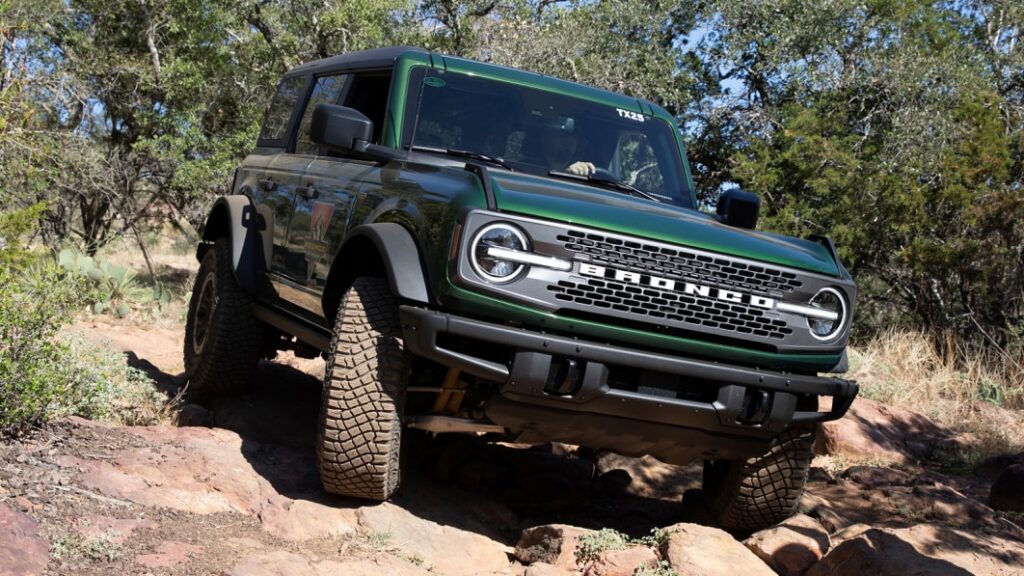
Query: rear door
{"type": "Point", "coordinates": [270, 175]}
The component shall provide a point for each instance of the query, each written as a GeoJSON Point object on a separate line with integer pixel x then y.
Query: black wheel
{"type": "Point", "coordinates": [222, 336]}
{"type": "Point", "coordinates": [360, 438]}
{"type": "Point", "coordinates": [753, 494]}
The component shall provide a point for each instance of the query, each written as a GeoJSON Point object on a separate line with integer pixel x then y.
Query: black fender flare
{"type": "Point", "coordinates": [236, 218]}
{"type": "Point", "coordinates": [401, 258]}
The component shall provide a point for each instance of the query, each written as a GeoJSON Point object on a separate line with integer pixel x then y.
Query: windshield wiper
{"type": "Point", "coordinates": [606, 181]}
{"type": "Point", "coordinates": [466, 154]}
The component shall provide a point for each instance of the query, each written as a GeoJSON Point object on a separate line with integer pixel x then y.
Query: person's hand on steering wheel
{"type": "Point", "coordinates": [581, 168]}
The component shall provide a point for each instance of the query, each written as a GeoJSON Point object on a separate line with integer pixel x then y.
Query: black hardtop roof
{"type": "Point", "coordinates": [372, 58]}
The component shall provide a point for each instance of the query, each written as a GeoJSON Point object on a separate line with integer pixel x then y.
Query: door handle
{"type": "Point", "coordinates": [307, 192]}
{"type": "Point", "coordinates": [268, 185]}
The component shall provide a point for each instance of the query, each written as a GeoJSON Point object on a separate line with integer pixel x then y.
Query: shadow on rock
{"type": "Point", "coordinates": [489, 488]}
{"type": "Point", "coordinates": [166, 383]}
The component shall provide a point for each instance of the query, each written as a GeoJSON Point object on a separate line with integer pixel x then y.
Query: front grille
{"type": "Point", "coordinates": [678, 262]}
{"type": "Point", "coordinates": [661, 306]}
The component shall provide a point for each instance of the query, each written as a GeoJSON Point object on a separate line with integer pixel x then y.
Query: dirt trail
{"type": "Point", "coordinates": [238, 493]}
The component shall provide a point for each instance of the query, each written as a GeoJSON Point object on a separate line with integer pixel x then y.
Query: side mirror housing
{"type": "Point", "coordinates": [340, 128]}
{"type": "Point", "coordinates": [348, 131]}
{"type": "Point", "coordinates": [738, 208]}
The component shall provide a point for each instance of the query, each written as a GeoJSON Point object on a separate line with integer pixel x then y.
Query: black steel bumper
{"type": "Point", "coordinates": [597, 413]}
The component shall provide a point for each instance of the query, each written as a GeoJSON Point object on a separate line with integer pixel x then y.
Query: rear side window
{"type": "Point", "coordinates": [275, 125]}
{"type": "Point", "coordinates": [325, 91]}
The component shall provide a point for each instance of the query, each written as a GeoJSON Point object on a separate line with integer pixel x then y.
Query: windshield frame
{"type": "Point", "coordinates": [684, 198]}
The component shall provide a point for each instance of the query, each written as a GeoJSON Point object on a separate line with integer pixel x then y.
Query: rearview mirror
{"type": "Point", "coordinates": [738, 208]}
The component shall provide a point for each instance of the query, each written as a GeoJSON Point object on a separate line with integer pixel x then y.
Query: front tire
{"type": "Point", "coordinates": [757, 493]}
{"type": "Point", "coordinates": [358, 449]}
{"type": "Point", "coordinates": [222, 336]}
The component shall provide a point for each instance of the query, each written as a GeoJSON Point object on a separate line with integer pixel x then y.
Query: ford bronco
{"type": "Point", "coordinates": [477, 249]}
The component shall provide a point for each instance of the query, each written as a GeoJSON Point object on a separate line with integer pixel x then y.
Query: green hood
{"type": "Point", "coordinates": [594, 207]}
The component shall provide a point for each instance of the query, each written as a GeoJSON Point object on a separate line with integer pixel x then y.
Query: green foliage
{"type": "Point", "coordinates": [110, 287]}
{"type": "Point", "coordinates": [102, 548]}
{"type": "Point", "coordinates": [661, 569]}
{"type": "Point", "coordinates": [591, 544]}
{"type": "Point", "coordinates": [14, 227]}
{"type": "Point", "coordinates": [46, 377]}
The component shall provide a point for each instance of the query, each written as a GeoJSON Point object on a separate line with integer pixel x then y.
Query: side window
{"type": "Point", "coordinates": [325, 91]}
{"type": "Point", "coordinates": [369, 95]}
{"type": "Point", "coordinates": [275, 124]}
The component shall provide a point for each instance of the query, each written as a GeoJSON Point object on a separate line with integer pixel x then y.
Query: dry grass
{"type": "Point", "coordinates": [978, 393]}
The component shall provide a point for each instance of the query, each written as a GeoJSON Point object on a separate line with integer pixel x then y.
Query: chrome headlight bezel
{"type": "Point", "coordinates": [839, 324]}
{"type": "Point", "coordinates": [475, 256]}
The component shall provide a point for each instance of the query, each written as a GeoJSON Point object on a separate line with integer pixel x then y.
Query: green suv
{"type": "Point", "coordinates": [476, 249]}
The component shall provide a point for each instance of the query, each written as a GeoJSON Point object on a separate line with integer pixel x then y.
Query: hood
{"type": "Point", "coordinates": [591, 206]}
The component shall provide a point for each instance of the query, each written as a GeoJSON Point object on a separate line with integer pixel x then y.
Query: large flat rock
{"type": "Point", "coordinates": [444, 549]}
{"type": "Point", "coordinates": [23, 551]}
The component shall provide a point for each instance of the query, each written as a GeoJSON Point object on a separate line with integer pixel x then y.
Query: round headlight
{"type": "Point", "coordinates": [831, 300]}
{"type": "Point", "coordinates": [499, 235]}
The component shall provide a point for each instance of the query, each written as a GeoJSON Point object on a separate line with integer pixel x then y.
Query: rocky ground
{"type": "Point", "coordinates": [233, 490]}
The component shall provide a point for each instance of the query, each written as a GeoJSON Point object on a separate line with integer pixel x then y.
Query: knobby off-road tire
{"type": "Point", "coordinates": [753, 494]}
{"type": "Point", "coordinates": [222, 336]}
{"type": "Point", "coordinates": [364, 395]}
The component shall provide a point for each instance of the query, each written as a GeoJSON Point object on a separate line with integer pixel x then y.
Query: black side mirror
{"type": "Point", "coordinates": [340, 128]}
{"type": "Point", "coordinates": [347, 130]}
{"type": "Point", "coordinates": [738, 208]}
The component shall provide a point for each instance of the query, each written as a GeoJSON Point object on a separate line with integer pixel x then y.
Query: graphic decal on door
{"type": "Point", "coordinates": [316, 243]}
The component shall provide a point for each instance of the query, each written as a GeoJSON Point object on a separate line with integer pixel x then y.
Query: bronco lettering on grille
{"type": "Point", "coordinates": [669, 284]}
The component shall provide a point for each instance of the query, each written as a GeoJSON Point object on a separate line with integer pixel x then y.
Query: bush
{"type": "Point", "coordinates": [42, 377]}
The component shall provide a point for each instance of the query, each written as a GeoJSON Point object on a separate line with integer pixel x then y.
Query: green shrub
{"type": "Point", "coordinates": [43, 377]}
{"type": "Point", "coordinates": [591, 544]}
{"type": "Point", "coordinates": [110, 286]}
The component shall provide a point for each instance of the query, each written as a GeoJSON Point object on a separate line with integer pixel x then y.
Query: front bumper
{"type": "Point", "coordinates": [728, 411]}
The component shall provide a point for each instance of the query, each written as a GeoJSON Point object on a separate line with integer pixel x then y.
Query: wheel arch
{"type": "Point", "coordinates": [386, 250]}
{"type": "Point", "coordinates": [235, 218]}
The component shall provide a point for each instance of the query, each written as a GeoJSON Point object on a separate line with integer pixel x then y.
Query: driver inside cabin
{"type": "Point", "coordinates": [560, 144]}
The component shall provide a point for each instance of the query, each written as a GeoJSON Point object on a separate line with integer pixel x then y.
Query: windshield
{"type": "Point", "coordinates": [537, 131]}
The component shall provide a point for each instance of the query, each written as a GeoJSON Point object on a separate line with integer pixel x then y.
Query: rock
{"type": "Point", "coordinates": [194, 415]}
{"type": "Point", "coordinates": [947, 505]}
{"type": "Point", "coordinates": [543, 569]}
{"type": "Point", "coordinates": [443, 549]}
{"type": "Point", "coordinates": [822, 511]}
{"type": "Point", "coordinates": [992, 467]}
{"type": "Point", "coordinates": [791, 547]}
{"type": "Point", "coordinates": [553, 544]}
{"type": "Point", "coordinates": [168, 554]}
{"type": "Point", "coordinates": [379, 564]}
{"type": "Point", "coordinates": [875, 477]}
{"type": "Point", "coordinates": [209, 470]}
{"type": "Point", "coordinates": [25, 504]}
{"type": "Point", "coordinates": [922, 550]}
{"type": "Point", "coordinates": [621, 562]}
{"type": "Point", "coordinates": [615, 482]}
{"type": "Point", "coordinates": [648, 476]}
{"type": "Point", "coordinates": [23, 552]}
{"type": "Point", "coordinates": [871, 430]}
{"type": "Point", "coordinates": [1008, 490]}
{"type": "Point", "coordinates": [695, 549]}
{"type": "Point", "coordinates": [849, 533]}
{"type": "Point", "coordinates": [116, 530]}
{"type": "Point", "coordinates": [298, 520]}
{"type": "Point", "coordinates": [277, 563]}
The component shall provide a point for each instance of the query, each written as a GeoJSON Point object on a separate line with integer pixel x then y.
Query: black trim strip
{"type": "Point", "coordinates": [289, 324]}
{"type": "Point", "coordinates": [485, 178]}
